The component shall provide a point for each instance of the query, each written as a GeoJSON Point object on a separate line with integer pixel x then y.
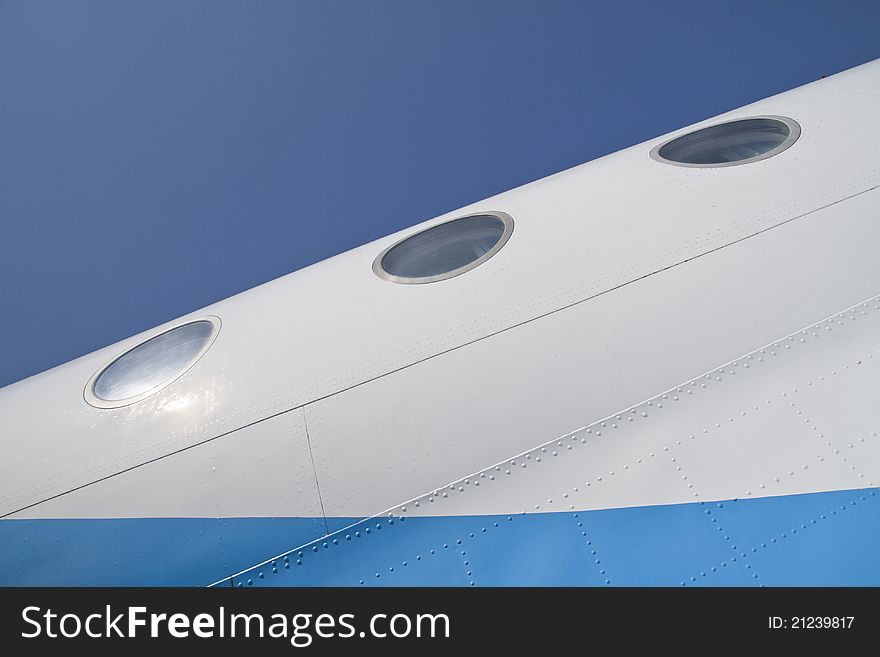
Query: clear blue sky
{"type": "Point", "coordinates": [158, 156]}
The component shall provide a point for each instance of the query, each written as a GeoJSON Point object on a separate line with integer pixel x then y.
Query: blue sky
{"type": "Point", "coordinates": [156, 157]}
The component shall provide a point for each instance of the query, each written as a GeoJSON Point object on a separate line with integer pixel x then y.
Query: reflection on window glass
{"type": "Point", "coordinates": [153, 362]}
{"type": "Point", "coordinates": [731, 143]}
{"type": "Point", "coordinates": [445, 248]}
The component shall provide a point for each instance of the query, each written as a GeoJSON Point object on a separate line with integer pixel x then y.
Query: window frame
{"type": "Point", "coordinates": [505, 219]}
{"type": "Point", "coordinates": [794, 133]}
{"type": "Point", "coordinates": [99, 402]}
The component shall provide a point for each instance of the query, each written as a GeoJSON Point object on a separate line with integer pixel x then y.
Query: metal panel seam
{"type": "Point", "coordinates": [441, 353]}
{"type": "Point", "coordinates": [315, 471]}
{"type": "Point", "coordinates": [401, 507]}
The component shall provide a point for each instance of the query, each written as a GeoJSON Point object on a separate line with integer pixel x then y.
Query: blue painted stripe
{"type": "Point", "coordinates": [811, 539]}
{"type": "Point", "coordinates": [142, 551]}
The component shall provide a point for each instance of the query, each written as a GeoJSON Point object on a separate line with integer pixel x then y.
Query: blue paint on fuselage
{"type": "Point", "coordinates": [824, 538]}
{"type": "Point", "coordinates": [142, 551]}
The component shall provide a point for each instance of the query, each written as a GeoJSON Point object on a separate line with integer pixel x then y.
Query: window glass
{"type": "Point", "coordinates": [735, 142]}
{"type": "Point", "coordinates": [447, 249]}
{"type": "Point", "coordinates": [152, 363]}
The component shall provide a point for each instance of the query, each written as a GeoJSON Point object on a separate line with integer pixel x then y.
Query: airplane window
{"type": "Point", "coordinates": [735, 142]}
{"type": "Point", "coordinates": [445, 250]}
{"type": "Point", "coordinates": [151, 365]}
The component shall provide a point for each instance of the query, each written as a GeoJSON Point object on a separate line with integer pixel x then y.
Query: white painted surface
{"type": "Point", "coordinates": [623, 277]}
{"type": "Point", "coordinates": [479, 404]}
{"type": "Point", "coordinates": [797, 416]}
{"type": "Point", "coordinates": [261, 470]}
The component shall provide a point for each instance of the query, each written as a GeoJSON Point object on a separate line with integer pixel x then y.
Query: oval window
{"type": "Point", "coordinates": [151, 365]}
{"type": "Point", "coordinates": [727, 144]}
{"type": "Point", "coordinates": [445, 250]}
